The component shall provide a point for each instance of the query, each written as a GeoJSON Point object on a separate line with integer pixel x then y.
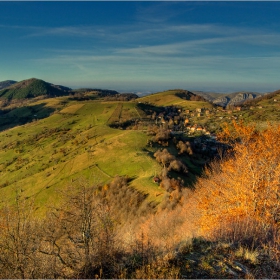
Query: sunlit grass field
{"type": "Point", "coordinates": [69, 140]}
{"type": "Point", "coordinates": [168, 98]}
{"type": "Point", "coordinates": [44, 156]}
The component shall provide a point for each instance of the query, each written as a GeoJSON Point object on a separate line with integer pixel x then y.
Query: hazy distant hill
{"type": "Point", "coordinates": [188, 95]}
{"type": "Point", "coordinates": [6, 84]}
{"type": "Point", "coordinates": [33, 88]}
{"type": "Point", "coordinates": [92, 93]}
{"type": "Point", "coordinates": [100, 92]}
{"type": "Point", "coordinates": [209, 96]}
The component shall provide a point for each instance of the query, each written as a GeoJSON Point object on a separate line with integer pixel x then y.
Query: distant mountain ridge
{"type": "Point", "coordinates": [32, 88]}
{"type": "Point", "coordinates": [99, 92]}
{"type": "Point", "coordinates": [6, 84]}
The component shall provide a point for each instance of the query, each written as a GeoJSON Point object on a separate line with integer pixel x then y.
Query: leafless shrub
{"type": "Point", "coordinates": [163, 156]}
{"type": "Point", "coordinates": [184, 148]}
{"type": "Point", "coordinates": [177, 166]}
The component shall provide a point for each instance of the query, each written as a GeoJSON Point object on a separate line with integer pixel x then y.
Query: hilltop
{"type": "Point", "coordinates": [32, 88]}
{"type": "Point", "coordinates": [174, 97]}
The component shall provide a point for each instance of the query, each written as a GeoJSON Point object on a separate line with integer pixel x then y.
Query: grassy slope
{"type": "Point", "coordinates": [75, 141]}
{"type": "Point", "coordinates": [264, 111]}
{"type": "Point", "coordinates": [41, 166]}
{"type": "Point", "coordinates": [168, 98]}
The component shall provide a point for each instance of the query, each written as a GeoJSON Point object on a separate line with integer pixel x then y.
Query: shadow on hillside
{"type": "Point", "coordinates": [10, 118]}
{"type": "Point", "coordinates": [83, 98]}
{"type": "Point", "coordinates": [204, 151]}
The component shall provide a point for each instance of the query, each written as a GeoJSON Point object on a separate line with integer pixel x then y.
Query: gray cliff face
{"type": "Point", "coordinates": [241, 97]}
{"type": "Point", "coordinates": [222, 99]}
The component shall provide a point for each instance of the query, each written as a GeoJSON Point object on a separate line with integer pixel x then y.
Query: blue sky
{"type": "Point", "coordinates": [143, 46]}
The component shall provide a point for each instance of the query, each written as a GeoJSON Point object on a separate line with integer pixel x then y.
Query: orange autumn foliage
{"type": "Point", "coordinates": [240, 195]}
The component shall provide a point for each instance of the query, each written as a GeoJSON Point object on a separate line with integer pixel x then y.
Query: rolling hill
{"type": "Point", "coordinates": [53, 142]}
{"type": "Point", "coordinates": [269, 97]}
{"type": "Point", "coordinates": [263, 109]}
{"type": "Point", "coordinates": [49, 143]}
{"type": "Point", "coordinates": [176, 97]}
{"type": "Point", "coordinates": [74, 141]}
{"type": "Point", "coordinates": [32, 88]}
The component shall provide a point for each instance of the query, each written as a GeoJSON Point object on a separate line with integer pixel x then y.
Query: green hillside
{"type": "Point", "coordinates": [51, 143]}
{"type": "Point", "coordinates": [47, 145]}
{"type": "Point", "coordinates": [263, 109]}
{"type": "Point", "coordinates": [75, 141]}
{"type": "Point", "coordinates": [120, 182]}
{"type": "Point", "coordinates": [32, 88]}
{"type": "Point", "coordinates": [182, 98]}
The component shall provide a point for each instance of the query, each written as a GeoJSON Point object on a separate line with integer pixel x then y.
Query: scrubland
{"type": "Point", "coordinates": [79, 198]}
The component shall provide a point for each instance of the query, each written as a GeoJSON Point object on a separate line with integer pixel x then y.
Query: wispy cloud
{"type": "Point", "coordinates": [201, 47]}
{"type": "Point", "coordinates": [191, 72]}
{"type": "Point", "coordinates": [142, 50]}
{"type": "Point", "coordinates": [161, 12]}
{"type": "Point", "coordinates": [214, 62]}
{"type": "Point", "coordinates": [137, 32]}
{"type": "Point", "coordinates": [71, 31]}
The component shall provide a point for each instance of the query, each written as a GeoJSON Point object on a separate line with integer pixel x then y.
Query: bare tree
{"type": "Point", "coordinates": [19, 240]}
{"type": "Point", "coordinates": [84, 239]}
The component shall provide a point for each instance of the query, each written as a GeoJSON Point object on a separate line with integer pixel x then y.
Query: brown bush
{"type": "Point", "coordinates": [239, 199]}
{"type": "Point", "coordinates": [163, 156]}
{"type": "Point", "coordinates": [184, 148]}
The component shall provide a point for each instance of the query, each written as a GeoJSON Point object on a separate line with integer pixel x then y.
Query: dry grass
{"type": "Point", "coordinates": [71, 109]}
{"type": "Point", "coordinates": [247, 254]}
